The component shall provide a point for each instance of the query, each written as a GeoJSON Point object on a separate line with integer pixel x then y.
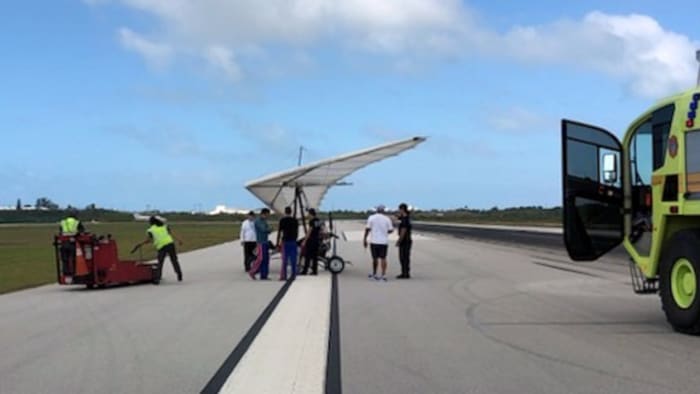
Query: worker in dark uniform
{"type": "Point", "coordinates": [404, 243]}
{"type": "Point", "coordinates": [311, 244]}
{"type": "Point", "coordinates": [287, 242]}
{"type": "Point", "coordinates": [164, 241]}
{"type": "Point", "coordinates": [70, 226]}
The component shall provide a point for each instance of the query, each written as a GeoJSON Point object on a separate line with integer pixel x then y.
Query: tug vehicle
{"type": "Point", "coordinates": [85, 259]}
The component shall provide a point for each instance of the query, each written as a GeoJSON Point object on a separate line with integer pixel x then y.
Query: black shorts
{"type": "Point", "coordinates": [378, 251]}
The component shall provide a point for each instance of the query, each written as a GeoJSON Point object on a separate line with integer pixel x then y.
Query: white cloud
{"type": "Point", "coordinates": [635, 49]}
{"type": "Point", "coordinates": [216, 30]}
{"type": "Point", "coordinates": [157, 55]}
{"type": "Point", "coordinates": [233, 36]}
{"type": "Point", "coordinates": [222, 59]}
{"type": "Point", "coordinates": [385, 25]}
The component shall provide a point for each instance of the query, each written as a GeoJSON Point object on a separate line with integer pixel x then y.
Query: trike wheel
{"type": "Point", "coordinates": [336, 264]}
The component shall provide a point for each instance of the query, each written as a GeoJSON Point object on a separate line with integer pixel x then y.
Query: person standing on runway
{"type": "Point", "coordinates": [262, 233]}
{"type": "Point", "coordinates": [311, 244]}
{"type": "Point", "coordinates": [379, 227]}
{"type": "Point", "coordinates": [404, 243]}
{"type": "Point", "coordinates": [248, 240]}
{"type": "Point", "coordinates": [287, 242]}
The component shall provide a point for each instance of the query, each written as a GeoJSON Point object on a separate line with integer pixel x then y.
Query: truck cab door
{"type": "Point", "coordinates": [592, 191]}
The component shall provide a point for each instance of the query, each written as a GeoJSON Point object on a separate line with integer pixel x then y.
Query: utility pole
{"type": "Point", "coordinates": [301, 148]}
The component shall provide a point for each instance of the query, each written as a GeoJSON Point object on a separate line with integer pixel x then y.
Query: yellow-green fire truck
{"type": "Point", "coordinates": [643, 192]}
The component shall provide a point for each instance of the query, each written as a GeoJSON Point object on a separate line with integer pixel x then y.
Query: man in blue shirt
{"type": "Point", "coordinates": [262, 232]}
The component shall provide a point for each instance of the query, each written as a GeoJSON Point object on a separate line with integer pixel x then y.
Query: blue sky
{"type": "Point", "coordinates": [176, 104]}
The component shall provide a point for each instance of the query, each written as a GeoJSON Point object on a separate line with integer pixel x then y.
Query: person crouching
{"type": "Point", "coordinates": [164, 241]}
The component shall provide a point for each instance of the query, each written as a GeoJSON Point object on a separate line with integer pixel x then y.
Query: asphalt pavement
{"type": "Point", "coordinates": [482, 317]}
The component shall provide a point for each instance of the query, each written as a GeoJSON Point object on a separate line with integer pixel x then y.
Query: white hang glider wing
{"type": "Point", "coordinates": [308, 184]}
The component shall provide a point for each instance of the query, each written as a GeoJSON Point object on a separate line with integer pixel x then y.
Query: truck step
{"type": "Point", "coordinates": [640, 283]}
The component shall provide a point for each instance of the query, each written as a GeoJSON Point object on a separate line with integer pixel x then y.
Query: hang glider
{"type": "Point", "coordinates": [305, 186]}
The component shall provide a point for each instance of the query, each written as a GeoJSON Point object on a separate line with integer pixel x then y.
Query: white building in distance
{"type": "Point", "coordinates": [223, 209]}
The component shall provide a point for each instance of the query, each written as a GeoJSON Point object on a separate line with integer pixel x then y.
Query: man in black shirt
{"type": "Point", "coordinates": [404, 242]}
{"type": "Point", "coordinates": [288, 233]}
{"type": "Point", "coordinates": [311, 244]}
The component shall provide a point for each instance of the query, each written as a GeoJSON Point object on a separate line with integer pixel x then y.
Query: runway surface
{"type": "Point", "coordinates": [477, 317]}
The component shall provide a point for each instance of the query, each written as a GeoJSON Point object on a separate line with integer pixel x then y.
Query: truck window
{"type": "Point", "coordinates": [641, 165]}
{"type": "Point", "coordinates": [585, 149]}
{"type": "Point", "coordinates": [692, 151]}
{"type": "Point", "coordinates": [583, 162]}
{"type": "Point", "coordinates": [661, 128]}
{"type": "Point", "coordinates": [692, 157]}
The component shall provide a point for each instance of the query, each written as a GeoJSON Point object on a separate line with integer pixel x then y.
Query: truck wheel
{"type": "Point", "coordinates": [679, 272]}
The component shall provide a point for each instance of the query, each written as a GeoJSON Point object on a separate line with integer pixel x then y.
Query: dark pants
{"type": "Point", "coordinates": [169, 250]}
{"type": "Point", "coordinates": [68, 258]}
{"type": "Point", "coordinates": [248, 254]}
{"type": "Point", "coordinates": [310, 258]}
{"type": "Point", "coordinates": [405, 258]}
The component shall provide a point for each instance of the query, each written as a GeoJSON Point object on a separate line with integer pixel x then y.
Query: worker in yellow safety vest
{"type": "Point", "coordinates": [70, 226]}
{"type": "Point", "coordinates": [164, 241]}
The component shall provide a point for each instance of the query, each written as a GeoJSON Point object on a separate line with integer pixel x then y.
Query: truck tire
{"type": "Point", "coordinates": [679, 274]}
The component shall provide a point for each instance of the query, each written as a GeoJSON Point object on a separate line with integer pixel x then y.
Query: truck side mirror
{"type": "Point", "coordinates": [610, 168]}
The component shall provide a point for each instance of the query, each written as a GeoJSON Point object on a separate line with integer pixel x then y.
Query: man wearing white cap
{"type": "Point", "coordinates": [379, 226]}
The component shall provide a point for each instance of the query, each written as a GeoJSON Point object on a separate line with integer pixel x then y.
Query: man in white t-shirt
{"type": "Point", "coordinates": [247, 235]}
{"type": "Point", "coordinates": [379, 226]}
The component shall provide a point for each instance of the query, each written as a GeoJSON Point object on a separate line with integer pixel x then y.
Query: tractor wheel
{"type": "Point", "coordinates": [679, 273]}
{"type": "Point", "coordinates": [336, 264]}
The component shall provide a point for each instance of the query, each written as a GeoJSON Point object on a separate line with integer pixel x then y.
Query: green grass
{"type": "Point", "coordinates": [27, 254]}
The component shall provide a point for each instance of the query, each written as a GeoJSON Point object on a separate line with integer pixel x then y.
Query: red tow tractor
{"type": "Point", "coordinates": [86, 259]}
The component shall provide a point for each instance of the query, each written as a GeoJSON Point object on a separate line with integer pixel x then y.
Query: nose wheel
{"type": "Point", "coordinates": [336, 264]}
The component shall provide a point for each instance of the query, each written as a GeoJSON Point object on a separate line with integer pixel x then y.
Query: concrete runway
{"type": "Point", "coordinates": [476, 318]}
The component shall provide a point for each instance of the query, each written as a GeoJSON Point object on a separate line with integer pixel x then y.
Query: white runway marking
{"type": "Point", "coordinates": [358, 235]}
{"type": "Point", "coordinates": [289, 354]}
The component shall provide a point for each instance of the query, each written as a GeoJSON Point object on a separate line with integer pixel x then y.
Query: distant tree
{"type": "Point", "coordinates": [19, 205]}
{"type": "Point", "coordinates": [91, 207]}
{"type": "Point", "coordinates": [45, 202]}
